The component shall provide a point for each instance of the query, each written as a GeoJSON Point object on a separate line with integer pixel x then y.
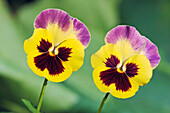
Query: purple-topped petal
{"type": "Point", "coordinates": [62, 26]}
{"type": "Point", "coordinates": [127, 33]}
{"type": "Point", "coordinates": [82, 32]}
{"type": "Point", "coordinates": [151, 52]}
{"type": "Point", "coordinates": [52, 16]}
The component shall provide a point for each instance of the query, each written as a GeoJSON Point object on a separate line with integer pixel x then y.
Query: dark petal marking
{"type": "Point", "coordinates": [64, 53]}
{"type": "Point", "coordinates": [131, 69]}
{"type": "Point", "coordinates": [113, 61]}
{"type": "Point", "coordinates": [52, 63]}
{"type": "Point", "coordinates": [41, 61]}
{"type": "Point", "coordinates": [112, 76]}
{"type": "Point", "coordinates": [127, 31]}
{"type": "Point", "coordinates": [44, 46]}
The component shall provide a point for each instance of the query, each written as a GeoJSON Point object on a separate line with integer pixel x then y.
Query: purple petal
{"type": "Point", "coordinates": [151, 52]}
{"type": "Point", "coordinates": [83, 34]}
{"type": "Point", "coordinates": [51, 16]}
{"type": "Point", "coordinates": [126, 32]}
{"type": "Point", "coordinates": [64, 21]}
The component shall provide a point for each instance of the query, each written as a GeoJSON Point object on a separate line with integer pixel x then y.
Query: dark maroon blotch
{"type": "Point", "coordinates": [44, 46]}
{"type": "Point", "coordinates": [64, 53]}
{"type": "Point", "coordinates": [111, 76]}
{"type": "Point", "coordinates": [113, 61]}
{"type": "Point", "coordinates": [131, 69]}
{"type": "Point", "coordinates": [52, 63]}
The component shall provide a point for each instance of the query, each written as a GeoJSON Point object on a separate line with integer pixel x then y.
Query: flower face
{"type": "Point", "coordinates": [57, 45]}
{"type": "Point", "coordinates": [125, 62]}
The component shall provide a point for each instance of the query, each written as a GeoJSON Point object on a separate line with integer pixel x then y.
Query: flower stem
{"type": "Point", "coordinates": [103, 102]}
{"type": "Point", "coordinates": [41, 95]}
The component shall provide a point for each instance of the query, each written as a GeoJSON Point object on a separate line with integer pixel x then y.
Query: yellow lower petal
{"type": "Point", "coordinates": [62, 76]}
{"type": "Point", "coordinates": [45, 73]}
{"type": "Point", "coordinates": [31, 64]}
{"type": "Point", "coordinates": [99, 83]}
{"type": "Point", "coordinates": [112, 88]}
{"type": "Point", "coordinates": [125, 94]}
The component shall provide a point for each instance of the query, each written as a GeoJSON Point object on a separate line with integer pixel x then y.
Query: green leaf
{"type": "Point", "coordinates": [29, 105]}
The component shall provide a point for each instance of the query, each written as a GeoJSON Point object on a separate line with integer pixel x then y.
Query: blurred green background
{"type": "Point", "coordinates": [79, 94]}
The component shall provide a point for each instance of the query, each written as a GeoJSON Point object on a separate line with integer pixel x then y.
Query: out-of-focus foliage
{"type": "Point", "coordinates": [29, 105]}
{"type": "Point", "coordinates": [79, 93]}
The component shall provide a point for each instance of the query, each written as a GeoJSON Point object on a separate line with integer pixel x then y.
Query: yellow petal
{"type": "Point", "coordinates": [144, 71]}
{"type": "Point", "coordinates": [31, 64]}
{"type": "Point", "coordinates": [105, 52]}
{"type": "Point", "coordinates": [62, 76]}
{"type": "Point", "coordinates": [34, 41]}
{"type": "Point", "coordinates": [99, 83]}
{"type": "Point", "coordinates": [75, 56]}
{"type": "Point", "coordinates": [125, 94]}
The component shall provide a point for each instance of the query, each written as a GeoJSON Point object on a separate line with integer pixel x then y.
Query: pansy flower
{"type": "Point", "coordinates": [125, 62]}
{"type": "Point", "coordinates": [57, 45]}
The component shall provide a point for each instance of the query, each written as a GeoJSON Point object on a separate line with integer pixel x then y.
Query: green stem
{"type": "Point", "coordinates": [103, 102]}
{"type": "Point", "coordinates": [41, 95]}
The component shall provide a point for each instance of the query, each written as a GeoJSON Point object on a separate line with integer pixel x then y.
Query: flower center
{"type": "Point", "coordinates": [119, 70]}
{"type": "Point", "coordinates": [53, 51]}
